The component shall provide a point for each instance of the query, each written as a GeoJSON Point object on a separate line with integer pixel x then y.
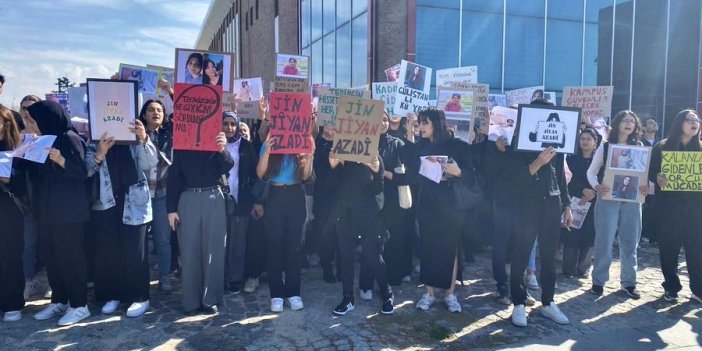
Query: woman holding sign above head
{"type": "Point", "coordinates": [285, 213]}
{"type": "Point", "coordinates": [121, 211]}
{"type": "Point", "coordinates": [439, 213]}
{"type": "Point", "coordinates": [615, 217]}
{"type": "Point", "coordinates": [63, 208]}
{"type": "Point", "coordinates": [677, 212]}
{"type": "Point", "coordinates": [196, 209]}
{"type": "Point", "coordinates": [12, 191]}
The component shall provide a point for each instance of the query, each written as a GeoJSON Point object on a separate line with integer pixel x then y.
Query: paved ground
{"type": "Point", "coordinates": [245, 323]}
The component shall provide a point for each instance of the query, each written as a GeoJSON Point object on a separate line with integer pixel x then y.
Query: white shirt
{"type": "Point", "coordinates": [595, 166]}
{"type": "Point", "coordinates": [233, 149]}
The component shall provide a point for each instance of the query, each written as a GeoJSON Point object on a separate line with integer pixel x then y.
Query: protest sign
{"type": "Point", "coordinates": [445, 77]}
{"type": "Point", "coordinates": [497, 100]}
{"type": "Point", "coordinates": [112, 109]}
{"type": "Point", "coordinates": [206, 67]}
{"type": "Point", "coordinates": [413, 88]}
{"type": "Point", "coordinates": [550, 95]}
{"type": "Point", "coordinates": [291, 123]}
{"type": "Point", "coordinates": [248, 89]}
{"type": "Point", "coordinates": [523, 95]}
{"type": "Point", "coordinates": [197, 117]}
{"type": "Point", "coordinates": [328, 101]}
{"type": "Point", "coordinates": [595, 101]}
{"type": "Point", "coordinates": [387, 92]}
{"type": "Point", "coordinates": [579, 212]}
{"type": "Point", "coordinates": [166, 73]}
{"type": "Point", "coordinates": [541, 127]}
{"type": "Point", "coordinates": [682, 170]}
{"type": "Point", "coordinates": [161, 95]}
{"type": "Point", "coordinates": [291, 85]}
{"type": "Point", "coordinates": [457, 105]}
{"type": "Point", "coordinates": [626, 168]}
{"type": "Point", "coordinates": [358, 129]}
{"type": "Point", "coordinates": [34, 148]}
{"type": "Point", "coordinates": [480, 112]}
{"type": "Point", "coordinates": [61, 99]}
{"type": "Point", "coordinates": [146, 78]}
{"type": "Point", "coordinates": [292, 66]}
{"type": "Point", "coordinates": [502, 123]}
{"type": "Point", "coordinates": [393, 73]}
{"type": "Point", "coordinates": [78, 101]}
{"type": "Point", "coordinates": [247, 109]}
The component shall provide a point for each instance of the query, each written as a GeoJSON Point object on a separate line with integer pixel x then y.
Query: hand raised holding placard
{"type": "Point", "coordinates": [222, 142]}
{"type": "Point", "coordinates": [103, 147]}
{"type": "Point", "coordinates": [138, 129]}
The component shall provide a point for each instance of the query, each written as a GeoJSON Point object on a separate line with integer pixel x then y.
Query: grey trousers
{"type": "Point", "coordinates": [236, 248]}
{"type": "Point", "coordinates": [202, 237]}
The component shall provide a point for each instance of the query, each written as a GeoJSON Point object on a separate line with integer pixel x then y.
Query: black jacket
{"type": "Point", "coordinates": [248, 159]}
{"type": "Point", "coordinates": [390, 149]}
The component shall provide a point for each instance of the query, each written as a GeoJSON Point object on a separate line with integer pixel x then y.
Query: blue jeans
{"type": "Point", "coordinates": [29, 257]}
{"type": "Point", "coordinates": [532, 257]}
{"type": "Point", "coordinates": [162, 236]}
{"type": "Point", "coordinates": [612, 217]}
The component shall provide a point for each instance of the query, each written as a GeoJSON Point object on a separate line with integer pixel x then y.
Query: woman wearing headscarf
{"type": "Point", "coordinates": [121, 213]}
{"type": "Point", "coordinates": [12, 189]}
{"type": "Point", "coordinates": [62, 208]}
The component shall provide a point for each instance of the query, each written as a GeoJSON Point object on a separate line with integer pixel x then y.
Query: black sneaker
{"type": "Point", "coordinates": [210, 309]}
{"type": "Point", "coordinates": [597, 290]}
{"type": "Point", "coordinates": [344, 307]}
{"type": "Point", "coordinates": [671, 296]}
{"type": "Point", "coordinates": [632, 292]}
{"type": "Point", "coordinates": [234, 288]}
{"type": "Point", "coordinates": [388, 307]}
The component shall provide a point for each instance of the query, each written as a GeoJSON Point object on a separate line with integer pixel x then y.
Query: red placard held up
{"type": "Point", "coordinates": [197, 117]}
{"type": "Point", "coordinates": [291, 123]}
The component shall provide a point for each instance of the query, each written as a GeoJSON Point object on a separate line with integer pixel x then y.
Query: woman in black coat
{"type": "Point", "coordinates": [62, 207]}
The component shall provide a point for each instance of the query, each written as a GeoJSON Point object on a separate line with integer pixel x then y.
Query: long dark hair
{"type": "Point", "coordinates": [10, 130]}
{"type": "Point", "coordinates": [438, 122]}
{"type": "Point", "coordinates": [275, 163]}
{"type": "Point", "coordinates": [595, 135]}
{"type": "Point", "coordinates": [672, 142]}
{"type": "Point", "coordinates": [633, 138]}
{"type": "Point", "coordinates": [145, 106]}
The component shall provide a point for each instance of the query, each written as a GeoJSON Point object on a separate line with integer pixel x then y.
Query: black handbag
{"type": "Point", "coordinates": [468, 189]}
{"type": "Point", "coordinates": [21, 206]}
{"type": "Point", "coordinates": [260, 191]}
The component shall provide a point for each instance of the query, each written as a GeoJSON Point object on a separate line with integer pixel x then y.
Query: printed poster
{"type": "Point", "coordinates": [358, 124]}
{"type": "Point", "coordinates": [112, 109]}
{"type": "Point", "coordinates": [480, 112]}
{"type": "Point", "coordinates": [206, 67]}
{"type": "Point", "coordinates": [392, 74]}
{"type": "Point", "coordinates": [458, 106]}
{"type": "Point", "coordinates": [413, 88]}
{"type": "Point", "coordinates": [579, 212]}
{"type": "Point", "coordinates": [147, 78]}
{"type": "Point", "coordinates": [626, 168]}
{"type": "Point", "coordinates": [292, 66]}
{"type": "Point", "coordinates": [328, 101]}
{"type": "Point", "coordinates": [248, 89]}
{"type": "Point", "coordinates": [547, 126]}
{"type": "Point", "coordinates": [291, 123]}
{"type": "Point", "coordinates": [682, 170]}
{"type": "Point", "coordinates": [197, 117]}
{"type": "Point", "coordinates": [503, 121]}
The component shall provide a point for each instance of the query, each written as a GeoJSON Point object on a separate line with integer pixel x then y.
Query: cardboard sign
{"type": "Point", "coordinates": [78, 101]}
{"type": "Point", "coordinates": [328, 101]}
{"type": "Point", "coordinates": [537, 125]}
{"type": "Point", "coordinates": [292, 66]}
{"type": "Point", "coordinates": [626, 168]}
{"type": "Point", "coordinates": [358, 129]}
{"type": "Point", "coordinates": [480, 113]}
{"type": "Point", "coordinates": [595, 101]}
{"type": "Point", "coordinates": [445, 77]}
{"type": "Point", "coordinates": [524, 95]}
{"type": "Point", "coordinates": [683, 170]}
{"type": "Point", "coordinates": [291, 85]}
{"type": "Point", "coordinates": [147, 78]}
{"type": "Point", "coordinates": [112, 109]}
{"type": "Point", "coordinates": [206, 67]}
{"type": "Point", "coordinates": [387, 92]}
{"type": "Point", "coordinates": [247, 109]}
{"type": "Point", "coordinates": [248, 89]}
{"type": "Point", "coordinates": [197, 117]}
{"type": "Point", "coordinates": [291, 123]}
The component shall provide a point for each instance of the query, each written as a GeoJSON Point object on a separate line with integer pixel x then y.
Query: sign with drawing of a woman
{"type": "Point", "coordinates": [541, 127]}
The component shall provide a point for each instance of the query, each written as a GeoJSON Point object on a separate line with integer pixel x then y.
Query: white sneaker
{"type": "Point", "coordinates": [553, 313]}
{"type": "Point", "coordinates": [519, 316]}
{"type": "Point", "coordinates": [426, 301]}
{"type": "Point", "coordinates": [531, 282]}
{"type": "Point", "coordinates": [295, 303]}
{"type": "Point", "coordinates": [50, 311]}
{"type": "Point", "coordinates": [366, 295]}
{"type": "Point", "coordinates": [276, 304]}
{"type": "Point", "coordinates": [110, 307]}
{"type": "Point", "coordinates": [251, 285]}
{"type": "Point", "coordinates": [138, 308]}
{"type": "Point", "coordinates": [12, 316]}
{"type": "Point", "coordinates": [74, 315]}
{"type": "Point", "coordinates": [452, 303]}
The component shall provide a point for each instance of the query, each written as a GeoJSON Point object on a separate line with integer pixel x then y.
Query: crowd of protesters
{"type": "Point", "coordinates": [219, 220]}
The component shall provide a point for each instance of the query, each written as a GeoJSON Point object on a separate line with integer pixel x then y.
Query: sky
{"type": "Point", "coordinates": [42, 40]}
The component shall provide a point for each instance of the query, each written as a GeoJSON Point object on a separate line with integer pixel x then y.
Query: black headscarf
{"type": "Point", "coordinates": [51, 118]}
